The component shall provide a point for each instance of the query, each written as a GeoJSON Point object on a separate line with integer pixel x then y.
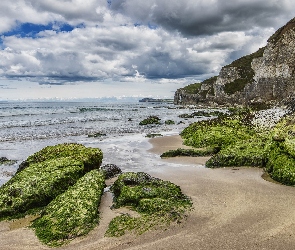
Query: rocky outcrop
{"type": "Point", "coordinates": [266, 76]}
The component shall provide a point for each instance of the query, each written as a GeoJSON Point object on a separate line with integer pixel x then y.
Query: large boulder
{"type": "Point", "coordinates": [48, 173]}
{"type": "Point", "coordinates": [73, 213]}
{"type": "Point", "coordinates": [158, 203]}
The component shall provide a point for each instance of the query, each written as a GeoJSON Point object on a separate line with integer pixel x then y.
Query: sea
{"type": "Point", "coordinates": [27, 127]}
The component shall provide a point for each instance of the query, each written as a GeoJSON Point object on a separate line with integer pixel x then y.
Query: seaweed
{"type": "Point", "coordinates": [73, 213]}
{"type": "Point", "coordinates": [281, 165]}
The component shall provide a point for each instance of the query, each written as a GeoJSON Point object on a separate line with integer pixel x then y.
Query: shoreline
{"type": "Point", "coordinates": [234, 208]}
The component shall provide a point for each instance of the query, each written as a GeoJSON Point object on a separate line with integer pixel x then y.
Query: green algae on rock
{"type": "Point", "coordinates": [190, 152]}
{"type": "Point", "coordinates": [153, 135]}
{"type": "Point", "coordinates": [158, 202]}
{"type": "Point", "coordinates": [202, 113]}
{"type": "Point", "coordinates": [250, 152]}
{"type": "Point", "coordinates": [169, 122]}
{"type": "Point", "coordinates": [281, 165]}
{"type": "Point", "coordinates": [91, 157]}
{"type": "Point", "coordinates": [216, 133]}
{"type": "Point", "coordinates": [6, 161]}
{"type": "Point", "coordinates": [38, 184]}
{"type": "Point", "coordinates": [150, 120]}
{"type": "Point", "coordinates": [48, 173]}
{"type": "Point", "coordinates": [281, 157]}
{"type": "Point", "coordinates": [73, 213]}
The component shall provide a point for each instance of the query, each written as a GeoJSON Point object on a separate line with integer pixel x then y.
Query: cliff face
{"type": "Point", "coordinates": [266, 76]}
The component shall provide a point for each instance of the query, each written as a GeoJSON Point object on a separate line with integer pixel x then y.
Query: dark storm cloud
{"type": "Point", "coordinates": [199, 17]}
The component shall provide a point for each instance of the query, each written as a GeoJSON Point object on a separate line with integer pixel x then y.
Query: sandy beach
{"type": "Point", "coordinates": [234, 208]}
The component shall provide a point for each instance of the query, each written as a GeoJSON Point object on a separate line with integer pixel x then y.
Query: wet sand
{"type": "Point", "coordinates": [234, 208]}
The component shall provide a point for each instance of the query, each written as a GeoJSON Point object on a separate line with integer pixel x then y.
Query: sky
{"type": "Point", "coordinates": [79, 49]}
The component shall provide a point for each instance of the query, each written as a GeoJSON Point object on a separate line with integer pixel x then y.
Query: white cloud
{"type": "Point", "coordinates": [172, 39]}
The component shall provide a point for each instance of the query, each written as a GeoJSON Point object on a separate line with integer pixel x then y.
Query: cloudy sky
{"type": "Point", "coordinates": [68, 49]}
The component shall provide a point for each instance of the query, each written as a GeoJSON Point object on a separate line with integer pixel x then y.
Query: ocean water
{"type": "Point", "coordinates": [27, 127]}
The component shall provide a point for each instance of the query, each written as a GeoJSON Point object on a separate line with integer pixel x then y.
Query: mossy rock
{"type": "Point", "coordinates": [281, 165]}
{"type": "Point", "coordinates": [169, 122]}
{"type": "Point", "coordinates": [216, 133]}
{"type": "Point", "coordinates": [251, 152]}
{"type": "Point", "coordinates": [38, 184]}
{"type": "Point", "coordinates": [48, 173]}
{"type": "Point", "coordinates": [98, 134]}
{"type": "Point", "coordinates": [91, 157]}
{"type": "Point", "coordinates": [158, 202]}
{"type": "Point", "coordinates": [150, 120]}
{"type": "Point", "coordinates": [190, 152]}
{"type": "Point", "coordinates": [289, 146]}
{"type": "Point", "coordinates": [153, 135]}
{"type": "Point", "coordinates": [73, 213]}
{"type": "Point", "coordinates": [6, 161]}
{"type": "Point", "coordinates": [201, 113]}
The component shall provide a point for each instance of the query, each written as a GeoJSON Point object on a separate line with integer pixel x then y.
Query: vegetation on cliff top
{"type": "Point", "coordinates": [158, 203]}
{"type": "Point", "coordinates": [195, 88]}
{"type": "Point", "coordinates": [246, 73]}
{"type": "Point", "coordinates": [280, 32]}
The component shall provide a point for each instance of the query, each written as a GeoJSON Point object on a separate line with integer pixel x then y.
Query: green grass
{"type": "Point", "coordinates": [195, 88]}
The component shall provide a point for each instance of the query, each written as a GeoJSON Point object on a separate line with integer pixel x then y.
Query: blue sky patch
{"type": "Point", "coordinates": [152, 26]}
{"type": "Point", "coordinates": [31, 29]}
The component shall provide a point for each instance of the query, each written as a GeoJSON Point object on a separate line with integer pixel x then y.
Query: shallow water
{"type": "Point", "coordinates": [25, 128]}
